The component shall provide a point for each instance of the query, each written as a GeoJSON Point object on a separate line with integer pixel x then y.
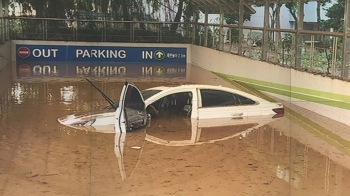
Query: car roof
{"type": "Point", "coordinates": [185, 85]}
{"type": "Point", "coordinates": [216, 87]}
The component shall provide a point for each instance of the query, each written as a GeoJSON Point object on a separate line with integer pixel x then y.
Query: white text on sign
{"type": "Point", "coordinates": [147, 54]}
{"type": "Point", "coordinates": [100, 53]}
{"type": "Point", "coordinates": [46, 53]}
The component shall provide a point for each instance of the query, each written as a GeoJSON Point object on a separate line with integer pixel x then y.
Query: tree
{"type": "Point", "coordinates": [47, 9]}
{"type": "Point", "coordinates": [233, 19]}
{"type": "Point", "coordinates": [178, 15]}
{"type": "Point", "coordinates": [274, 21]}
{"type": "Point", "coordinates": [293, 10]}
{"type": "Point", "coordinates": [320, 3]}
{"type": "Point", "coordinates": [335, 15]}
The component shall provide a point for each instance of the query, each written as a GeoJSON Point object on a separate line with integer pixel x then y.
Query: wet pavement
{"type": "Point", "coordinates": [298, 154]}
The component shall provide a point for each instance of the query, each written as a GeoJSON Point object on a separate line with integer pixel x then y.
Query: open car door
{"type": "Point", "coordinates": [131, 113]}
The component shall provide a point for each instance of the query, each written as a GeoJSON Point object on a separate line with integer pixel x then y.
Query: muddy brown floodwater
{"type": "Point", "coordinates": [294, 155]}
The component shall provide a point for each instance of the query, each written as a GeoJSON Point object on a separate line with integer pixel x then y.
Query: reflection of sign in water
{"type": "Point", "coordinates": [37, 70]}
{"type": "Point", "coordinates": [100, 70]}
{"type": "Point", "coordinates": [81, 69]}
{"type": "Point", "coordinates": [24, 70]}
{"type": "Point", "coordinates": [159, 70]}
{"type": "Point", "coordinates": [162, 71]}
{"type": "Point", "coordinates": [45, 70]}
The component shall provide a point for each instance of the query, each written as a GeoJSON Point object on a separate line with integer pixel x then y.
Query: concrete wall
{"type": "Point", "coordinates": [234, 65]}
{"type": "Point", "coordinates": [5, 78]}
{"type": "Point", "coordinates": [326, 96]}
{"type": "Point", "coordinates": [5, 55]}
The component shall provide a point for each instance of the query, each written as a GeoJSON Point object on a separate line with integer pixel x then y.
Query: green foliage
{"type": "Point", "coordinates": [335, 13]}
{"type": "Point", "coordinates": [234, 35]}
{"type": "Point", "coordinates": [47, 9]}
{"type": "Point", "coordinates": [233, 19]}
{"type": "Point", "coordinates": [292, 7]}
{"type": "Point", "coordinates": [286, 45]}
{"type": "Point", "coordinates": [322, 60]}
{"type": "Point", "coordinates": [155, 4]}
{"type": "Point", "coordinates": [200, 35]}
{"type": "Point", "coordinates": [324, 2]}
{"type": "Point", "coordinates": [126, 10]}
{"type": "Point", "coordinates": [92, 32]}
{"type": "Point", "coordinates": [287, 42]}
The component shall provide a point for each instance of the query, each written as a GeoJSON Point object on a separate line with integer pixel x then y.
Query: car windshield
{"type": "Point", "coordinates": [149, 93]}
{"type": "Point", "coordinates": [145, 94]}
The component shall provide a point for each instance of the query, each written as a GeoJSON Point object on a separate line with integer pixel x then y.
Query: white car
{"type": "Point", "coordinates": [200, 102]}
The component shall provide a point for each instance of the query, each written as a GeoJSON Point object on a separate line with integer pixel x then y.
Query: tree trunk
{"type": "Point", "coordinates": [296, 20]}
{"type": "Point", "coordinates": [278, 34]}
{"type": "Point", "coordinates": [293, 13]}
{"type": "Point", "coordinates": [39, 6]}
{"type": "Point", "coordinates": [139, 9]}
{"type": "Point", "coordinates": [318, 12]}
{"type": "Point", "coordinates": [126, 14]}
{"type": "Point", "coordinates": [178, 15]}
{"type": "Point", "coordinates": [272, 21]}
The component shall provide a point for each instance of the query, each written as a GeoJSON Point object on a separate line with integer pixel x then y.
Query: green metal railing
{"type": "Point", "coordinates": [320, 51]}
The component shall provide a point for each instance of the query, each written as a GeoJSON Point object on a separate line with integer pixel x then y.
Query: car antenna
{"type": "Point", "coordinates": [103, 94]}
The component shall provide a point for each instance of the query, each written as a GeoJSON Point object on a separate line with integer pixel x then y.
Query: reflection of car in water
{"type": "Point", "coordinates": [201, 102]}
{"type": "Point", "coordinates": [128, 147]}
{"type": "Point", "coordinates": [195, 132]}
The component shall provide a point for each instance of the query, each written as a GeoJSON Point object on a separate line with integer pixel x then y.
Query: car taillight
{"type": "Point", "coordinates": [279, 112]}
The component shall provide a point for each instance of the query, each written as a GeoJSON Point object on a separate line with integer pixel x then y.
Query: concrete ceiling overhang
{"type": "Point", "coordinates": [232, 6]}
{"type": "Point", "coordinates": [227, 6]}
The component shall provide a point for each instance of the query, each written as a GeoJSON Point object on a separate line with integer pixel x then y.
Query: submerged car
{"type": "Point", "coordinates": [195, 101]}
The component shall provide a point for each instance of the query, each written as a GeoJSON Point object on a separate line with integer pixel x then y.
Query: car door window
{"type": "Point", "coordinates": [172, 104]}
{"type": "Point", "coordinates": [216, 98]}
{"type": "Point", "coordinates": [244, 100]}
{"type": "Point", "coordinates": [219, 98]}
{"type": "Point", "coordinates": [133, 99]}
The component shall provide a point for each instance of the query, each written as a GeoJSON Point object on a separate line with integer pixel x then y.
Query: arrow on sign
{"type": "Point", "coordinates": [159, 54]}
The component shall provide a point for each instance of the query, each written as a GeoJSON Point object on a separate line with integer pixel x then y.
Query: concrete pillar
{"type": "Point", "coordinates": [338, 180]}
{"type": "Point", "coordinates": [6, 22]}
{"type": "Point", "coordinates": [221, 31]}
{"type": "Point", "coordinates": [194, 26]}
{"type": "Point", "coordinates": [298, 36]}
{"type": "Point", "coordinates": [272, 142]}
{"type": "Point", "coordinates": [240, 28]}
{"type": "Point", "coordinates": [2, 29]}
{"type": "Point", "coordinates": [346, 44]}
{"type": "Point", "coordinates": [261, 131]}
{"type": "Point", "coordinates": [206, 27]}
{"type": "Point", "coordinates": [265, 40]}
{"type": "Point", "coordinates": [306, 160]}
